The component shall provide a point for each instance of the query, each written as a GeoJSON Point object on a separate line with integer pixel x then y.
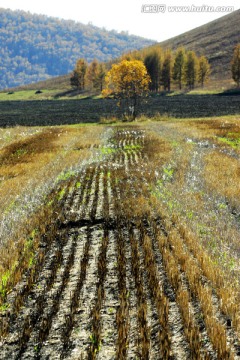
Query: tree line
{"type": "Point", "coordinates": [182, 68]}
{"type": "Point", "coordinates": [131, 78]}
{"type": "Point", "coordinates": [91, 76]}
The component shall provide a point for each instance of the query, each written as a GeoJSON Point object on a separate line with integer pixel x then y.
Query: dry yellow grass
{"type": "Point", "coordinates": [42, 155]}
{"type": "Point", "coordinates": [222, 175]}
{"type": "Point", "coordinates": [199, 189]}
{"type": "Point", "coordinates": [30, 167]}
{"type": "Point", "coordinates": [11, 134]}
{"type": "Point", "coordinates": [207, 128]}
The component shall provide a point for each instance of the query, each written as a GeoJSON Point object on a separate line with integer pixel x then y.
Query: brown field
{"type": "Point", "coordinates": [121, 242]}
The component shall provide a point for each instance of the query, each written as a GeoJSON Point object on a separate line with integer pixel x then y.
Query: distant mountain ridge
{"type": "Point", "coordinates": [37, 47]}
{"type": "Point", "coordinates": [216, 40]}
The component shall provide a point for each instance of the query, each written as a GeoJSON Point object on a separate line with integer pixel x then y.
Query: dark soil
{"type": "Point", "coordinates": [59, 112]}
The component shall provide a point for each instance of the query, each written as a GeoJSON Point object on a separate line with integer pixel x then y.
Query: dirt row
{"type": "Point", "coordinates": [113, 284]}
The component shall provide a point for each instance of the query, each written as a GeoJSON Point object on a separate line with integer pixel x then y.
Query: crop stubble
{"type": "Point", "coordinates": [117, 280]}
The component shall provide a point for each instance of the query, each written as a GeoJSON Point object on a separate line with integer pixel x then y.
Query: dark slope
{"type": "Point", "coordinates": [216, 40]}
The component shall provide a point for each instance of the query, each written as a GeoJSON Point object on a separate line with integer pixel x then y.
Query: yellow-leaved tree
{"type": "Point", "coordinates": [78, 76]}
{"type": "Point", "coordinates": [129, 82]}
{"type": "Point", "coordinates": [203, 70]}
{"type": "Point", "coordinates": [236, 65]}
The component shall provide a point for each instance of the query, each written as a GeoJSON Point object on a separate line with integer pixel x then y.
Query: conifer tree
{"type": "Point", "coordinates": [236, 65]}
{"type": "Point", "coordinates": [190, 69]}
{"type": "Point", "coordinates": [101, 76]}
{"type": "Point", "coordinates": [78, 76]}
{"type": "Point", "coordinates": [203, 70]}
{"type": "Point", "coordinates": [178, 67]}
{"type": "Point", "coordinates": [92, 74]}
{"type": "Point", "coordinates": [166, 75]}
{"type": "Point", "coordinates": [152, 61]}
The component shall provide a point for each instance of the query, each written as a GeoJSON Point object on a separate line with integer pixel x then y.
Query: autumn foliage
{"type": "Point", "coordinates": [128, 81]}
{"type": "Point", "coordinates": [236, 65]}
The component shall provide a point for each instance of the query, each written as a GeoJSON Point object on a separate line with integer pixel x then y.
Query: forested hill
{"type": "Point", "coordinates": [37, 47]}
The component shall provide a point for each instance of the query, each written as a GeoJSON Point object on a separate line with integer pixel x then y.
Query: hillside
{"type": "Point", "coordinates": [216, 40]}
{"type": "Point", "coordinates": [37, 47]}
